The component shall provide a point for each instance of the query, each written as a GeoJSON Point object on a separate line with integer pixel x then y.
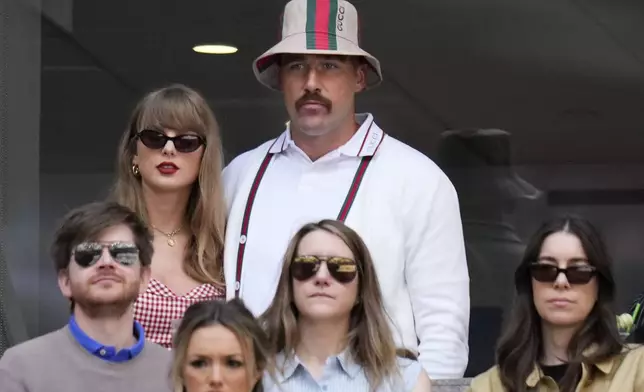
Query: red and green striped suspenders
{"type": "Point", "coordinates": [243, 238]}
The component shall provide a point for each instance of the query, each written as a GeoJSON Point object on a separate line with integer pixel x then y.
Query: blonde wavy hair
{"type": "Point", "coordinates": [369, 339]}
{"type": "Point", "coordinates": [181, 108]}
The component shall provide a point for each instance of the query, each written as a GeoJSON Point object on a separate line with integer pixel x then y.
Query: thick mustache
{"type": "Point", "coordinates": [308, 98]}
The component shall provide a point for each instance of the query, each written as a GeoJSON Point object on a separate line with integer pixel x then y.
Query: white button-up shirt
{"type": "Point", "coordinates": [406, 211]}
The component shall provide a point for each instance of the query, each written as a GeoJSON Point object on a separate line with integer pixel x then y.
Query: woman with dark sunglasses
{"type": "Point", "coordinates": [169, 172]}
{"type": "Point", "coordinates": [561, 333]}
{"type": "Point", "coordinates": [327, 321]}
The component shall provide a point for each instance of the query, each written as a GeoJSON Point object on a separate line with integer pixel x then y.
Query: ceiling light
{"type": "Point", "coordinates": [215, 49]}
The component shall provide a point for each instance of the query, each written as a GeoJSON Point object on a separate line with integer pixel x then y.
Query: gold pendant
{"type": "Point", "coordinates": [170, 236]}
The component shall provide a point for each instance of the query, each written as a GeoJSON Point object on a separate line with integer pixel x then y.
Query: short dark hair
{"type": "Point", "coordinates": [86, 222]}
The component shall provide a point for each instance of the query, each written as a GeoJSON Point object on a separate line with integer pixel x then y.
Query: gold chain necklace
{"type": "Point", "coordinates": [171, 241]}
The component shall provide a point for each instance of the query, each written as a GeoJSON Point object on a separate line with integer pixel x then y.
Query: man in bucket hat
{"type": "Point", "coordinates": [333, 163]}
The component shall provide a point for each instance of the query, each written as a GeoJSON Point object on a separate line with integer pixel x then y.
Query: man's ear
{"type": "Point", "coordinates": [361, 77]}
{"type": "Point", "coordinates": [64, 283]}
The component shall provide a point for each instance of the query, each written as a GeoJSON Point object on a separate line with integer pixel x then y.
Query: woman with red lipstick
{"type": "Point", "coordinates": [327, 320]}
{"type": "Point", "coordinates": [562, 332]}
{"type": "Point", "coordinates": [169, 172]}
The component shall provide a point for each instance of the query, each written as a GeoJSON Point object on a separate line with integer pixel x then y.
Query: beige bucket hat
{"type": "Point", "coordinates": [328, 27]}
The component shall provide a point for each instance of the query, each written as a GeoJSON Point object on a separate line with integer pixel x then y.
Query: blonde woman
{"type": "Point", "coordinates": [169, 165]}
{"type": "Point", "coordinates": [327, 322]}
{"type": "Point", "coordinates": [219, 346]}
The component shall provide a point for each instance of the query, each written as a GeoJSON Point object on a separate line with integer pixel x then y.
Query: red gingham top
{"type": "Point", "coordinates": [159, 310]}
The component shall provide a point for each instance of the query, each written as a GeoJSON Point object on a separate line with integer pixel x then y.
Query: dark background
{"type": "Point", "coordinates": [565, 78]}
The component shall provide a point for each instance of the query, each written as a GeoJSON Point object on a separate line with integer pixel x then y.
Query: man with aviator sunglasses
{"type": "Point", "coordinates": [102, 254]}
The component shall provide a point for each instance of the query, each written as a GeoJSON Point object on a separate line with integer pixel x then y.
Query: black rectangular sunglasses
{"type": "Point", "coordinates": [342, 269]}
{"type": "Point", "coordinates": [576, 274]}
{"type": "Point", "coordinates": [87, 254]}
{"type": "Point", "coordinates": [157, 140]}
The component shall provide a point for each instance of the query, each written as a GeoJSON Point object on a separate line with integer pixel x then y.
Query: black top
{"type": "Point", "coordinates": [556, 372]}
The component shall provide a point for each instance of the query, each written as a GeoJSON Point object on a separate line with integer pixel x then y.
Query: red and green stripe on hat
{"type": "Point", "coordinates": [321, 24]}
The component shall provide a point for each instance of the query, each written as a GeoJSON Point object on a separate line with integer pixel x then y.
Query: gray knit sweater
{"type": "Point", "coordinates": [56, 362]}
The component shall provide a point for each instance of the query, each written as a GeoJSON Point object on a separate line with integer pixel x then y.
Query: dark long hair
{"type": "Point", "coordinates": [520, 345]}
